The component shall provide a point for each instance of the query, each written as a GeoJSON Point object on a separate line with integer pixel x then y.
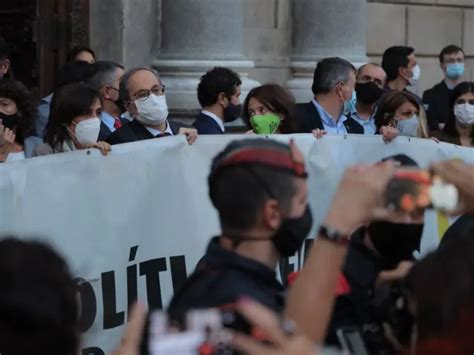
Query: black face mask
{"type": "Point", "coordinates": [232, 112]}
{"type": "Point", "coordinates": [292, 233]}
{"type": "Point", "coordinates": [368, 93]}
{"type": "Point", "coordinates": [9, 121]}
{"type": "Point", "coordinates": [395, 242]}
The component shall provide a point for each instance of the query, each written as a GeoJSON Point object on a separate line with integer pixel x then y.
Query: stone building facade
{"type": "Point", "coordinates": [273, 40]}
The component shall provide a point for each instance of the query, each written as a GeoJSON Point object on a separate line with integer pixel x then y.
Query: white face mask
{"type": "Point", "coordinates": [153, 110]}
{"type": "Point", "coordinates": [464, 113]}
{"type": "Point", "coordinates": [87, 131]}
{"type": "Point", "coordinates": [416, 71]}
{"type": "Point", "coordinates": [408, 127]}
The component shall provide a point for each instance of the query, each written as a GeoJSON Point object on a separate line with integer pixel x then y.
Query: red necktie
{"type": "Point", "coordinates": [117, 123]}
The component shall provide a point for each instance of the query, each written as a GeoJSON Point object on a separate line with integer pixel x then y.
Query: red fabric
{"type": "Point", "coordinates": [117, 123]}
{"type": "Point", "coordinates": [270, 157]}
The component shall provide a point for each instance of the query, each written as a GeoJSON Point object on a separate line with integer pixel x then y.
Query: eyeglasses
{"type": "Point", "coordinates": [142, 95]}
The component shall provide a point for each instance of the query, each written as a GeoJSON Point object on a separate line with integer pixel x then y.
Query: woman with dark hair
{"type": "Point", "coordinates": [269, 109]}
{"type": "Point", "coordinates": [399, 113]}
{"type": "Point", "coordinates": [73, 121]}
{"type": "Point", "coordinates": [459, 125]}
{"type": "Point", "coordinates": [81, 53]}
{"type": "Point", "coordinates": [17, 121]}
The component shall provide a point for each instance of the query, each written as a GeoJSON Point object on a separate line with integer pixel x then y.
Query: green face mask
{"type": "Point", "coordinates": [265, 124]}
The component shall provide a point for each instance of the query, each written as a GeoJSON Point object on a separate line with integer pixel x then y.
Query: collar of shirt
{"type": "Point", "coordinates": [218, 257]}
{"type": "Point", "coordinates": [449, 85]}
{"type": "Point", "coordinates": [108, 120]}
{"type": "Point", "coordinates": [48, 99]}
{"type": "Point", "coordinates": [215, 118]}
{"type": "Point", "coordinates": [156, 132]}
{"type": "Point", "coordinates": [327, 118]}
{"type": "Point", "coordinates": [368, 125]}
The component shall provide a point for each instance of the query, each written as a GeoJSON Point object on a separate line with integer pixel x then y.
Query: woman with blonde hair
{"type": "Point", "coordinates": [400, 114]}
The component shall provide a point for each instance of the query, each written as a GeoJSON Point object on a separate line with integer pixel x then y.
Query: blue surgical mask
{"type": "Point", "coordinates": [454, 71]}
{"type": "Point", "coordinates": [350, 106]}
{"type": "Point", "coordinates": [408, 127]}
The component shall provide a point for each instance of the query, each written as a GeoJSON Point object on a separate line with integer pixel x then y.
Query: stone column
{"type": "Point", "coordinates": [125, 31]}
{"type": "Point", "coordinates": [325, 28]}
{"type": "Point", "coordinates": [197, 35]}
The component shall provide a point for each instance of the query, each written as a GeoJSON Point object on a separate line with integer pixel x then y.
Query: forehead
{"type": "Point", "coordinates": [142, 80]}
{"type": "Point", "coordinates": [454, 55]}
{"type": "Point", "coordinates": [301, 187]}
{"type": "Point", "coordinates": [412, 58]}
{"type": "Point", "coordinates": [84, 55]}
{"type": "Point", "coordinates": [467, 96]}
{"type": "Point", "coordinates": [254, 103]}
{"type": "Point", "coordinates": [408, 106]}
{"type": "Point", "coordinates": [96, 103]}
{"type": "Point", "coordinates": [372, 71]}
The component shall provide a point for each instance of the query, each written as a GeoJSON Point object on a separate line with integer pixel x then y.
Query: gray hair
{"type": "Point", "coordinates": [104, 74]}
{"type": "Point", "coordinates": [329, 72]}
{"type": "Point", "coordinates": [124, 92]}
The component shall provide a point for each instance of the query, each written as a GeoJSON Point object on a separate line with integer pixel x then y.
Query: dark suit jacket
{"type": "Point", "coordinates": [135, 131]}
{"type": "Point", "coordinates": [206, 125]}
{"type": "Point", "coordinates": [105, 131]}
{"type": "Point", "coordinates": [437, 101]}
{"type": "Point", "coordinates": [308, 119]}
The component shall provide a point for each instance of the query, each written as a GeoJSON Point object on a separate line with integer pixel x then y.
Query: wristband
{"type": "Point", "coordinates": [333, 235]}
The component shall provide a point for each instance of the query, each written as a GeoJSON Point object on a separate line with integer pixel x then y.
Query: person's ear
{"type": "Point", "coordinates": [105, 92]}
{"type": "Point", "coordinates": [340, 89]}
{"type": "Point", "coordinates": [402, 72]}
{"type": "Point", "coordinates": [7, 64]}
{"type": "Point", "coordinates": [222, 100]}
{"type": "Point", "coordinates": [271, 215]}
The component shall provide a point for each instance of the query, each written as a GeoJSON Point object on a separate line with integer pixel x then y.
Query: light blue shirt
{"type": "Point", "coordinates": [329, 125]}
{"type": "Point", "coordinates": [43, 115]}
{"type": "Point", "coordinates": [108, 120]}
{"type": "Point", "coordinates": [368, 125]}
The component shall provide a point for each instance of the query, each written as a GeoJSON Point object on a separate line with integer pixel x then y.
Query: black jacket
{"type": "Point", "coordinates": [308, 119]}
{"type": "Point", "coordinates": [436, 103]}
{"type": "Point", "coordinates": [355, 309]}
{"type": "Point", "coordinates": [105, 131]}
{"type": "Point", "coordinates": [135, 131]}
{"type": "Point", "coordinates": [222, 277]}
{"type": "Point", "coordinates": [206, 125]}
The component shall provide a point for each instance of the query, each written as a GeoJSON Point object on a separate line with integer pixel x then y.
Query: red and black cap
{"type": "Point", "coordinates": [264, 152]}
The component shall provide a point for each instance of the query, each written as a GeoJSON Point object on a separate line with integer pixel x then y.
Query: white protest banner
{"type": "Point", "coordinates": [134, 223]}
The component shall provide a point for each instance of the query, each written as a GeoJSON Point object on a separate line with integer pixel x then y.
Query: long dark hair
{"type": "Point", "coordinates": [26, 105]}
{"type": "Point", "coordinates": [450, 127]}
{"type": "Point", "coordinates": [69, 102]}
{"type": "Point", "coordinates": [277, 100]}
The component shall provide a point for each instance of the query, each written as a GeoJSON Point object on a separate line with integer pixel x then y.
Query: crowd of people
{"type": "Point", "coordinates": [113, 105]}
{"type": "Point", "coordinates": [360, 276]}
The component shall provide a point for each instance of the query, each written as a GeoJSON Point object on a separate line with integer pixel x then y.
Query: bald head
{"type": "Point", "coordinates": [372, 73]}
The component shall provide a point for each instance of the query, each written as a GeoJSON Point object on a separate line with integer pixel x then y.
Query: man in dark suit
{"type": "Point", "coordinates": [143, 96]}
{"type": "Point", "coordinates": [219, 96]}
{"type": "Point", "coordinates": [333, 88]}
{"type": "Point", "coordinates": [436, 99]}
{"type": "Point", "coordinates": [106, 81]}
